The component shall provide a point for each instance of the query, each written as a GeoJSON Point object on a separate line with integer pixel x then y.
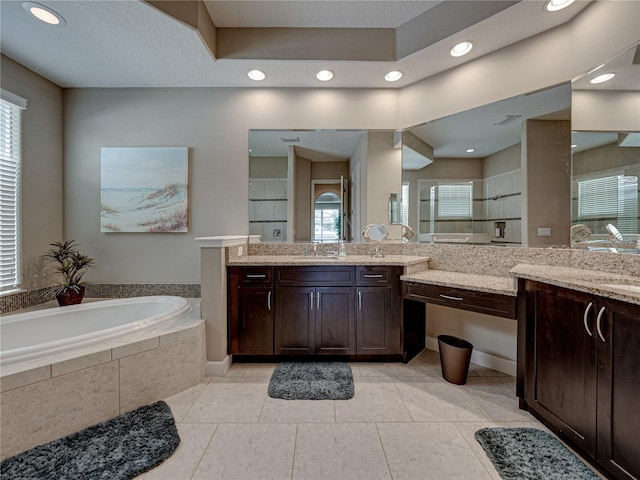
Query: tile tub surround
{"type": "Point", "coordinates": [49, 398]}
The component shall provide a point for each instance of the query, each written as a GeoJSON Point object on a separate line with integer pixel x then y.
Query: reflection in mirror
{"type": "Point", "coordinates": [606, 160]}
{"type": "Point", "coordinates": [321, 185]}
{"type": "Point", "coordinates": [464, 172]}
{"type": "Point", "coordinates": [605, 176]}
{"type": "Point", "coordinates": [395, 209]}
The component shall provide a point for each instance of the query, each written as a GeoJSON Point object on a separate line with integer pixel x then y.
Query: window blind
{"type": "Point", "coordinates": [405, 204]}
{"type": "Point", "coordinates": [455, 200]}
{"type": "Point", "coordinates": [611, 199]}
{"type": "Point", "coordinates": [11, 107]}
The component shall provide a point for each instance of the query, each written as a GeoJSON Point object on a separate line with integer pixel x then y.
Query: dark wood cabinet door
{"type": "Point", "coordinates": [254, 321]}
{"type": "Point", "coordinates": [373, 320]}
{"type": "Point", "coordinates": [561, 361]}
{"type": "Point", "coordinates": [294, 313]}
{"type": "Point", "coordinates": [619, 389]}
{"type": "Point", "coordinates": [335, 332]}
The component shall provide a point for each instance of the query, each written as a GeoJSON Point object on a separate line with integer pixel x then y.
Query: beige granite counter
{"type": "Point", "coordinates": [467, 281]}
{"type": "Point", "coordinates": [417, 263]}
{"type": "Point", "coordinates": [625, 288]}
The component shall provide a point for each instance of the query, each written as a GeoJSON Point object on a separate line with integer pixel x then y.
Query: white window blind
{"type": "Point", "coordinates": [11, 107]}
{"type": "Point", "coordinates": [455, 200]}
{"type": "Point", "coordinates": [614, 199]}
{"type": "Point", "coordinates": [405, 204]}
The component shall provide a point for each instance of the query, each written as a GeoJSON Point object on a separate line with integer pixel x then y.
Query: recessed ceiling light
{"type": "Point", "coordinates": [257, 75]}
{"type": "Point", "coordinates": [324, 75]}
{"type": "Point", "coordinates": [603, 78]}
{"type": "Point", "coordinates": [555, 5]}
{"type": "Point", "coordinates": [574, 145]}
{"type": "Point", "coordinates": [471, 150]}
{"type": "Point", "coordinates": [44, 14]}
{"type": "Point", "coordinates": [461, 49]}
{"type": "Point", "coordinates": [393, 76]}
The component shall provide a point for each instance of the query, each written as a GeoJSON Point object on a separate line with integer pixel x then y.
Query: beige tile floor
{"type": "Point", "coordinates": [404, 422]}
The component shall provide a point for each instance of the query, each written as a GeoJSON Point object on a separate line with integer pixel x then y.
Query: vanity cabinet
{"type": "Point", "coordinates": [378, 319]}
{"type": "Point", "coordinates": [250, 304]}
{"type": "Point", "coordinates": [314, 311]}
{"type": "Point", "coordinates": [353, 311]}
{"type": "Point", "coordinates": [582, 372]}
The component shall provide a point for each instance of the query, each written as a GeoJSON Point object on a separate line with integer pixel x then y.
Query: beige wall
{"type": "Point", "coordinates": [268, 167]}
{"type": "Point", "coordinates": [617, 111]}
{"type": "Point", "coordinates": [384, 176]}
{"type": "Point", "coordinates": [546, 179]}
{"type": "Point", "coordinates": [502, 161]}
{"type": "Point", "coordinates": [41, 204]}
{"type": "Point", "coordinates": [604, 158]}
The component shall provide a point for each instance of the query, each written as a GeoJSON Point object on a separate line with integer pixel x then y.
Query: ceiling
{"type": "Point", "coordinates": [131, 43]}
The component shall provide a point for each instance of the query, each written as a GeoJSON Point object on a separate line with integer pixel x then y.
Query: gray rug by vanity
{"type": "Point", "coordinates": [312, 381]}
{"type": "Point", "coordinates": [531, 454]}
{"type": "Point", "coordinates": [120, 448]}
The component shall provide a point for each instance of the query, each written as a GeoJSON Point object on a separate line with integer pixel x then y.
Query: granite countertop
{"type": "Point", "coordinates": [349, 260]}
{"type": "Point", "coordinates": [610, 285]}
{"type": "Point", "coordinates": [467, 281]}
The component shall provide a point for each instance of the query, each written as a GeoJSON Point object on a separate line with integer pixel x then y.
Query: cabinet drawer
{"type": "Point", "coordinates": [377, 276]}
{"type": "Point", "coordinates": [315, 276]}
{"type": "Point", "coordinates": [253, 275]}
{"type": "Point", "coordinates": [482, 302]}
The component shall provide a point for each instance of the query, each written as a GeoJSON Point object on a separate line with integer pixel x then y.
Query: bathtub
{"type": "Point", "coordinates": [65, 368]}
{"type": "Point", "coordinates": [26, 336]}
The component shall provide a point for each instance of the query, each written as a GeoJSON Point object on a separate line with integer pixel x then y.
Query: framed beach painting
{"type": "Point", "coordinates": [144, 189]}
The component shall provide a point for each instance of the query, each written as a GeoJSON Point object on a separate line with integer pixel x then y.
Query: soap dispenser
{"type": "Point", "coordinates": [343, 251]}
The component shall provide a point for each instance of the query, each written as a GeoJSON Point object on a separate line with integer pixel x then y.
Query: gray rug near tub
{"type": "Point", "coordinates": [312, 381]}
{"type": "Point", "coordinates": [118, 449]}
{"type": "Point", "coordinates": [531, 454]}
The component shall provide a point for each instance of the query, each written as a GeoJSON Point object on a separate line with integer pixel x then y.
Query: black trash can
{"type": "Point", "coordinates": [455, 356]}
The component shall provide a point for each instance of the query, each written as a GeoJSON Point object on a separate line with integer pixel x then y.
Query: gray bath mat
{"type": "Point", "coordinates": [531, 454]}
{"type": "Point", "coordinates": [118, 449]}
{"type": "Point", "coordinates": [312, 381]}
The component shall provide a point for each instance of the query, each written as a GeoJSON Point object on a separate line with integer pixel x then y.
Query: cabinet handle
{"type": "Point", "coordinates": [379, 275]}
{"type": "Point", "coordinates": [359, 300]}
{"type": "Point", "coordinates": [448, 297]}
{"type": "Point", "coordinates": [585, 319]}
{"type": "Point", "coordinates": [311, 293]}
{"type": "Point", "coordinates": [318, 302]}
{"type": "Point", "coordinates": [256, 275]}
{"type": "Point", "coordinates": [269, 300]}
{"type": "Point", "coordinates": [600, 313]}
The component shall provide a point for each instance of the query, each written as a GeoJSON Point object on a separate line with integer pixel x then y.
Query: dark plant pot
{"type": "Point", "coordinates": [70, 297]}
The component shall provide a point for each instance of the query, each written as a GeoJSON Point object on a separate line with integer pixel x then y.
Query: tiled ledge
{"type": "Point", "coordinates": [28, 298]}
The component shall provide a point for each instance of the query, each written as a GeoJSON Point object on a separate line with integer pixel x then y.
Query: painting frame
{"type": "Point", "coordinates": [144, 189]}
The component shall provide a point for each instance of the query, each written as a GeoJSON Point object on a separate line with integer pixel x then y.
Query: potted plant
{"type": "Point", "coordinates": [71, 265]}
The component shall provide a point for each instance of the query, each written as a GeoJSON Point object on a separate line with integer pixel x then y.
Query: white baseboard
{"type": "Point", "coordinates": [483, 359]}
{"type": "Point", "coordinates": [218, 369]}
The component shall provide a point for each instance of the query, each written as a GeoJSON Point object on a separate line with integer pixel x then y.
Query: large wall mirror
{"type": "Point", "coordinates": [606, 156]}
{"type": "Point", "coordinates": [469, 187]}
{"type": "Point", "coordinates": [484, 176]}
{"type": "Point", "coordinates": [321, 185]}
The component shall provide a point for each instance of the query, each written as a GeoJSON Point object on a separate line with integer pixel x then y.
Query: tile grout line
{"type": "Point", "coordinates": [473, 450]}
{"type": "Point", "coordinates": [384, 452]}
{"type": "Point", "coordinates": [204, 450]}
